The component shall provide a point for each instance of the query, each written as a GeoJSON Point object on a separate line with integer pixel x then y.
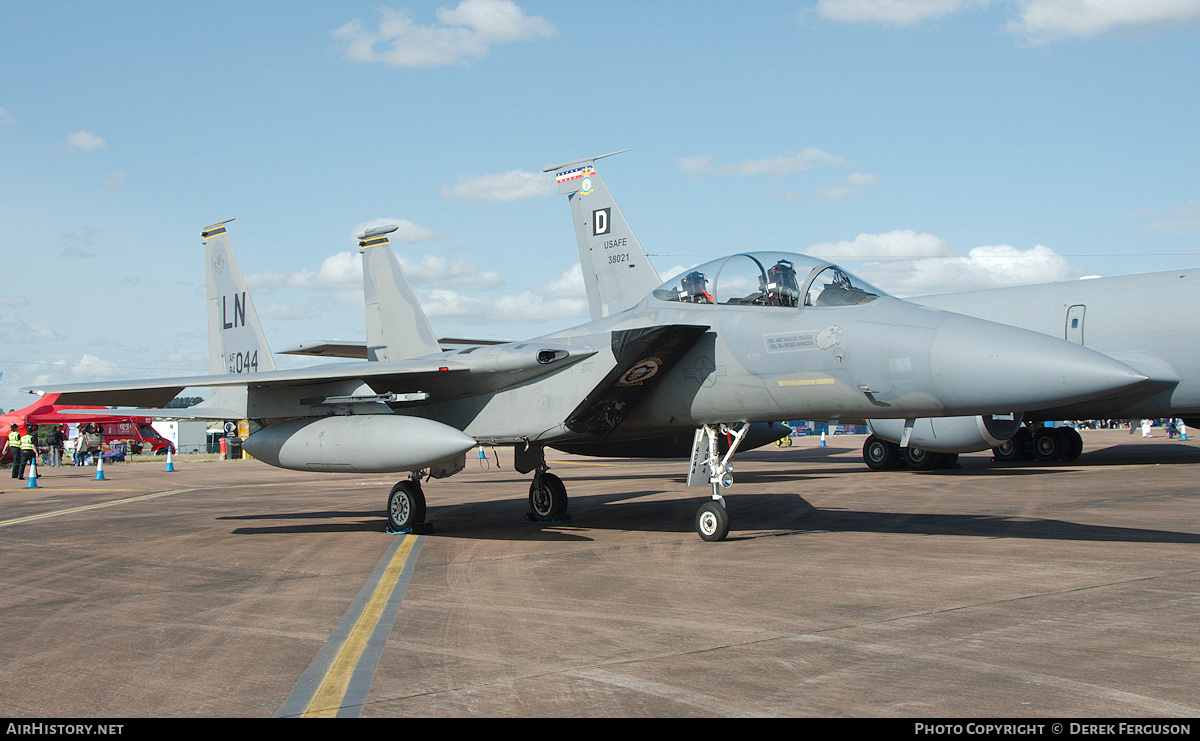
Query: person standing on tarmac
{"type": "Point", "coordinates": [28, 447]}
{"type": "Point", "coordinates": [13, 444]}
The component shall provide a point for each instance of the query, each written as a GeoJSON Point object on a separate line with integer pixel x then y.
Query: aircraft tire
{"type": "Point", "coordinates": [879, 454]}
{"type": "Point", "coordinates": [548, 500]}
{"type": "Point", "coordinates": [920, 460]}
{"type": "Point", "coordinates": [1049, 444]}
{"type": "Point", "coordinates": [712, 522]}
{"type": "Point", "coordinates": [1074, 444]}
{"type": "Point", "coordinates": [1013, 449]}
{"type": "Point", "coordinates": [405, 507]}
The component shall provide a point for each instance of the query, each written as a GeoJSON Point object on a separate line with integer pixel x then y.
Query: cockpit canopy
{"type": "Point", "coordinates": [768, 279]}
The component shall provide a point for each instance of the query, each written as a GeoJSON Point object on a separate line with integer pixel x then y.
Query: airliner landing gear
{"type": "Point", "coordinates": [406, 507]}
{"type": "Point", "coordinates": [880, 454]}
{"type": "Point", "coordinates": [712, 520]}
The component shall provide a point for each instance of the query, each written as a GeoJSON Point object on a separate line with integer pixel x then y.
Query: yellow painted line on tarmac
{"type": "Point", "coordinates": [587, 463]}
{"type": "Point", "coordinates": [342, 687]}
{"type": "Point", "coordinates": [89, 507]}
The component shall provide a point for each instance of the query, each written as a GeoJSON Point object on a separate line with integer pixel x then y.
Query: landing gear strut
{"type": "Point", "coordinates": [712, 520]}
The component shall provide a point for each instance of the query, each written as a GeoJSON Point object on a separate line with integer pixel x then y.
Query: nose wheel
{"type": "Point", "coordinates": [712, 521]}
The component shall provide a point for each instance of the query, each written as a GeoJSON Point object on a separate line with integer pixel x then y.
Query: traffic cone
{"type": "Point", "coordinates": [170, 464]}
{"type": "Point", "coordinates": [99, 465]}
{"type": "Point", "coordinates": [823, 439]}
{"type": "Point", "coordinates": [482, 455]}
{"type": "Point", "coordinates": [32, 473]}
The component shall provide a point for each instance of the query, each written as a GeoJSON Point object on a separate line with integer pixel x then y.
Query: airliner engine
{"type": "Point", "coordinates": [951, 434]}
{"type": "Point", "coordinates": [368, 443]}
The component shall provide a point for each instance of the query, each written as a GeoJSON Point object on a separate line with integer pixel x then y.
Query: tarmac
{"type": "Point", "coordinates": [232, 589]}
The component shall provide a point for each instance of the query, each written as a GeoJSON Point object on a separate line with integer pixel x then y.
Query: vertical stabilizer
{"type": "Point", "coordinates": [396, 327]}
{"type": "Point", "coordinates": [236, 343]}
{"type": "Point", "coordinates": [616, 271]}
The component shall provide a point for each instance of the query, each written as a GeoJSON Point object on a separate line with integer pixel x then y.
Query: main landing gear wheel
{"type": "Point", "coordinates": [880, 454]}
{"type": "Point", "coordinates": [712, 522]}
{"type": "Point", "coordinates": [1049, 444]}
{"type": "Point", "coordinates": [1074, 443]}
{"type": "Point", "coordinates": [547, 498]}
{"type": "Point", "coordinates": [920, 460]}
{"type": "Point", "coordinates": [405, 507]}
{"type": "Point", "coordinates": [1015, 448]}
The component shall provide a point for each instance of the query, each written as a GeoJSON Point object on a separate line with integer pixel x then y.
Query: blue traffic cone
{"type": "Point", "coordinates": [823, 445]}
{"type": "Point", "coordinates": [170, 464]}
{"type": "Point", "coordinates": [99, 465]}
{"type": "Point", "coordinates": [32, 474]}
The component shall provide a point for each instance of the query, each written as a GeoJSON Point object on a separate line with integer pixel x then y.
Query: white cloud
{"type": "Point", "coordinates": [6, 117]}
{"type": "Point", "coordinates": [14, 302]}
{"type": "Point", "coordinates": [905, 263]}
{"type": "Point", "coordinates": [559, 299]}
{"type": "Point", "coordinates": [341, 275]}
{"type": "Point", "coordinates": [898, 245]}
{"type": "Point", "coordinates": [337, 272]}
{"type": "Point", "coordinates": [90, 367]}
{"type": "Point", "coordinates": [1036, 20]}
{"type": "Point", "coordinates": [852, 185]}
{"type": "Point", "coordinates": [461, 34]}
{"type": "Point", "coordinates": [85, 141]}
{"type": "Point", "coordinates": [569, 284]}
{"type": "Point", "coordinates": [777, 167]}
{"type": "Point", "coordinates": [1177, 220]}
{"type": "Point", "coordinates": [14, 331]}
{"type": "Point", "coordinates": [459, 272]}
{"type": "Point", "coordinates": [1041, 20]}
{"type": "Point", "coordinates": [508, 186]}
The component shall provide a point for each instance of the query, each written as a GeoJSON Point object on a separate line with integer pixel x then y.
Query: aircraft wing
{"type": "Point", "coordinates": [358, 350]}
{"type": "Point", "coordinates": [433, 378]}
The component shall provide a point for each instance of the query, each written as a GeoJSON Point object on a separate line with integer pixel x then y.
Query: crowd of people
{"type": "Point", "coordinates": [23, 443]}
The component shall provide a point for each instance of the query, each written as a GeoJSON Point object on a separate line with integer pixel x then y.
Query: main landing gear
{"type": "Point", "coordinates": [547, 493]}
{"type": "Point", "coordinates": [406, 507]}
{"type": "Point", "coordinates": [1045, 444]}
{"type": "Point", "coordinates": [547, 497]}
{"type": "Point", "coordinates": [880, 455]}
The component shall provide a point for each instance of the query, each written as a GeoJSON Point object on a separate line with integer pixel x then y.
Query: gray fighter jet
{"type": "Point", "coordinates": [750, 338]}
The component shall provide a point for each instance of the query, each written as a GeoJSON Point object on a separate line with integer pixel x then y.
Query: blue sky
{"type": "Point", "coordinates": [930, 145]}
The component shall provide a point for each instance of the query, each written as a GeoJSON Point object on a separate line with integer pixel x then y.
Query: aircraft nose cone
{"type": "Point", "coordinates": [980, 364]}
